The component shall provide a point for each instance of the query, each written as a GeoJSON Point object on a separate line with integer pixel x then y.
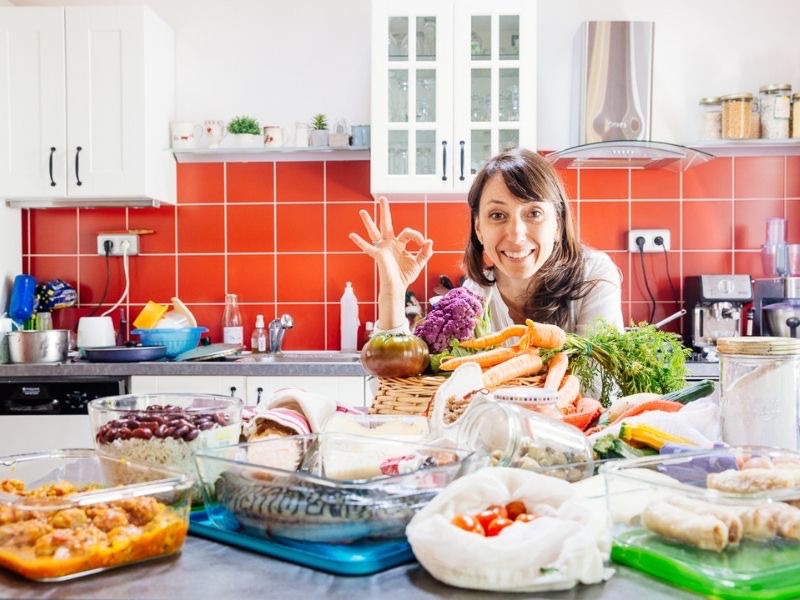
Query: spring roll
{"type": "Point", "coordinates": [751, 480]}
{"type": "Point", "coordinates": [726, 514]}
{"type": "Point", "coordinates": [701, 531]}
{"type": "Point", "coordinates": [768, 520]}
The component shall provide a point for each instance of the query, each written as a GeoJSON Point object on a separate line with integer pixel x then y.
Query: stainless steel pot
{"type": "Point", "coordinates": [48, 346]}
{"type": "Point", "coordinates": [783, 319]}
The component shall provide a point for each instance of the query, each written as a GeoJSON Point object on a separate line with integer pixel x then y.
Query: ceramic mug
{"type": "Point", "coordinates": [213, 132]}
{"type": "Point", "coordinates": [301, 132]}
{"type": "Point", "coordinates": [361, 136]}
{"type": "Point", "coordinates": [185, 134]}
{"type": "Point", "coordinates": [273, 135]}
{"type": "Point", "coordinates": [96, 332]}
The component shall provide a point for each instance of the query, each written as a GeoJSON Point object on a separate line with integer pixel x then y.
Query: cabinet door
{"type": "Point", "coordinates": [412, 145]}
{"type": "Point", "coordinates": [226, 386]}
{"type": "Point", "coordinates": [347, 391]}
{"type": "Point", "coordinates": [494, 75]}
{"type": "Point", "coordinates": [105, 96]}
{"type": "Point", "coordinates": [32, 103]}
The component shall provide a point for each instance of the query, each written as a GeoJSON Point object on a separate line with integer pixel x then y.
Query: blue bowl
{"type": "Point", "coordinates": [176, 340]}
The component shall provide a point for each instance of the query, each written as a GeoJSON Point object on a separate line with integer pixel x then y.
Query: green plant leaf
{"type": "Point", "coordinates": [244, 124]}
{"type": "Point", "coordinates": [319, 121]}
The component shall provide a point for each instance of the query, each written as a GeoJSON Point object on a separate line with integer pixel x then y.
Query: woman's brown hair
{"type": "Point", "coordinates": [530, 178]}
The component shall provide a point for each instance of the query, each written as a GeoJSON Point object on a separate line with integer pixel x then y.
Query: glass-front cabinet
{"type": "Point", "coordinates": [453, 83]}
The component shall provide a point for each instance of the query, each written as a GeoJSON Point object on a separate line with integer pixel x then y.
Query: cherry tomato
{"type": "Point", "coordinates": [467, 523]}
{"type": "Point", "coordinates": [490, 514]}
{"type": "Point", "coordinates": [526, 517]}
{"type": "Point", "coordinates": [395, 355]}
{"type": "Point", "coordinates": [497, 525]}
{"type": "Point", "coordinates": [515, 508]}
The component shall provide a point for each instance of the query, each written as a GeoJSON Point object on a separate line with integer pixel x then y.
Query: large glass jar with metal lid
{"type": "Point", "coordinates": [710, 118]}
{"type": "Point", "coordinates": [736, 115]}
{"type": "Point", "coordinates": [514, 436]}
{"type": "Point", "coordinates": [796, 115]}
{"type": "Point", "coordinates": [775, 101]}
{"type": "Point", "coordinates": [760, 391]}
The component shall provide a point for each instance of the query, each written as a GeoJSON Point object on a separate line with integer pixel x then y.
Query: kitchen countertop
{"type": "Point", "coordinates": [207, 569]}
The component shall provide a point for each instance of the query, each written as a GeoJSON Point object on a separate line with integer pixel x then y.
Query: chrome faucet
{"type": "Point", "coordinates": [277, 329]}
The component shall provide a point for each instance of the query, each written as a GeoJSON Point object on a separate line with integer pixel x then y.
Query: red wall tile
{"type": "Point", "coordinates": [658, 215]}
{"type": "Point", "coordinates": [300, 227]}
{"type": "Point", "coordinates": [250, 182]}
{"type": "Point", "coordinates": [309, 330]}
{"type": "Point", "coordinates": [300, 277]}
{"type": "Point", "coordinates": [603, 184]}
{"type": "Point", "coordinates": [200, 182]}
{"type": "Point", "coordinates": [54, 231]}
{"type": "Point", "coordinates": [162, 221]}
{"type": "Point", "coordinates": [657, 183]}
{"type": "Point", "coordinates": [300, 181]}
{"type": "Point", "coordinates": [604, 225]}
{"type": "Point", "coordinates": [448, 225]}
{"type": "Point", "coordinates": [201, 229]}
{"type": "Point", "coordinates": [93, 221]}
{"type": "Point", "coordinates": [750, 221]}
{"type": "Point", "coordinates": [250, 227]}
{"type": "Point", "coordinates": [340, 221]}
{"type": "Point", "coordinates": [707, 224]}
{"type": "Point", "coordinates": [152, 278]}
{"type": "Point", "coordinates": [347, 180]}
{"type": "Point", "coordinates": [252, 277]}
{"type": "Point", "coordinates": [709, 180]}
{"type": "Point", "coordinates": [201, 278]}
{"type": "Point", "coordinates": [359, 269]}
{"type": "Point", "coordinates": [758, 177]}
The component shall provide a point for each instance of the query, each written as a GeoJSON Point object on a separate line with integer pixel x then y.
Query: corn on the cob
{"type": "Point", "coordinates": [650, 436]}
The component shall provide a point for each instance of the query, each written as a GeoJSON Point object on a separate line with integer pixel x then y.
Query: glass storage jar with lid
{"type": "Point", "coordinates": [796, 115]}
{"type": "Point", "coordinates": [710, 118]}
{"type": "Point", "coordinates": [775, 102]}
{"type": "Point", "coordinates": [736, 116]}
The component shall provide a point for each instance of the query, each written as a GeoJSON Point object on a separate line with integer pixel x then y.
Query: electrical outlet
{"type": "Point", "coordinates": [650, 237]}
{"type": "Point", "coordinates": [117, 240]}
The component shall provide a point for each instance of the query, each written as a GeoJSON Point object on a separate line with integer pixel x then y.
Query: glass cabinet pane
{"type": "Point", "coordinates": [509, 37]}
{"type": "Point", "coordinates": [398, 38]}
{"type": "Point", "coordinates": [426, 147]}
{"type": "Point", "coordinates": [398, 95]}
{"type": "Point", "coordinates": [481, 94]}
{"type": "Point", "coordinates": [508, 99]}
{"type": "Point", "coordinates": [426, 38]}
{"type": "Point", "coordinates": [509, 138]}
{"type": "Point", "coordinates": [426, 95]}
{"type": "Point", "coordinates": [481, 38]}
{"type": "Point", "coordinates": [481, 149]}
{"type": "Point", "coordinates": [398, 152]}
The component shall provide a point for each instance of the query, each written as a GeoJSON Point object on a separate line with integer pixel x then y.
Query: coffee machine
{"type": "Point", "coordinates": [714, 305]}
{"type": "Point", "coordinates": [767, 292]}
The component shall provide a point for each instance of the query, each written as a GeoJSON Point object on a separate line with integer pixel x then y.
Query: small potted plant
{"type": "Point", "coordinates": [245, 131]}
{"type": "Point", "coordinates": [319, 130]}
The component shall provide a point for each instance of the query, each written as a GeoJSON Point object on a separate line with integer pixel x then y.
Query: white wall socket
{"type": "Point", "coordinates": [649, 236]}
{"type": "Point", "coordinates": [117, 240]}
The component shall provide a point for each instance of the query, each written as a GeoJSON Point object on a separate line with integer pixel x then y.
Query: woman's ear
{"type": "Point", "coordinates": [478, 232]}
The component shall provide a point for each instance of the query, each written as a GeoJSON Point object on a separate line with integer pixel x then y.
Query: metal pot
{"type": "Point", "coordinates": [48, 346]}
{"type": "Point", "coordinates": [783, 318]}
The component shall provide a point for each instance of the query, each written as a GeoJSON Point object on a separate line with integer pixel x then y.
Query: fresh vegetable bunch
{"type": "Point", "coordinates": [454, 316]}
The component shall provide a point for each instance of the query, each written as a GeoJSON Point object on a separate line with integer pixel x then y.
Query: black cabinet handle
{"type": "Point", "coordinates": [461, 143]}
{"type": "Point", "coordinates": [444, 160]}
{"type": "Point", "coordinates": [233, 390]}
{"type": "Point", "coordinates": [259, 391]}
{"type": "Point", "coordinates": [52, 182]}
{"type": "Point", "coordinates": [77, 165]}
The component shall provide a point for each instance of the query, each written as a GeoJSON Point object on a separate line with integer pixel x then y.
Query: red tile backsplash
{"type": "Point", "coordinates": [276, 234]}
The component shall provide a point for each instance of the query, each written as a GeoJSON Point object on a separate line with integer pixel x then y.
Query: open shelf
{"type": "Point", "coordinates": [270, 154]}
{"type": "Point", "coordinates": [759, 147]}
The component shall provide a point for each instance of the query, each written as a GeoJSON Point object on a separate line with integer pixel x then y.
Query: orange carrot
{"type": "Point", "coordinates": [556, 370]}
{"type": "Point", "coordinates": [521, 365]}
{"type": "Point", "coordinates": [568, 392]}
{"type": "Point", "coordinates": [665, 405]}
{"type": "Point", "coordinates": [484, 359]}
{"type": "Point", "coordinates": [494, 339]}
{"type": "Point", "coordinates": [545, 335]}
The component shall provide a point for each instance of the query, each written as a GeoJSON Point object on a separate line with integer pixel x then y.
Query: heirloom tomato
{"type": "Point", "coordinates": [395, 355]}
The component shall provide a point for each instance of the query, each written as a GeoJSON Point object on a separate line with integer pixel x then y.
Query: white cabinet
{"type": "Point", "coordinates": [88, 96]}
{"type": "Point", "coordinates": [347, 391]}
{"type": "Point", "coordinates": [453, 83]}
{"type": "Point", "coordinates": [202, 384]}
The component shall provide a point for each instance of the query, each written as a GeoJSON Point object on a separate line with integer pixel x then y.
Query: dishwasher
{"type": "Point", "coordinates": [46, 413]}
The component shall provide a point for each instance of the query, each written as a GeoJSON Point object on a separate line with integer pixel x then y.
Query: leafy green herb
{"type": "Point", "coordinates": [455, 350]}
{"type": "Point", "coordinates": [244, 125]}
{"type": "Point", "coordinates": [319, 121]}
{"type": "Point", "coordinates": [641, 359]}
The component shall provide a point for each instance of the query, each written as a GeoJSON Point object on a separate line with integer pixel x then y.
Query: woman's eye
{"type": "Point", "coordinates": [536, 213]}
{"type": "Point", "coordinates": [496, 216]}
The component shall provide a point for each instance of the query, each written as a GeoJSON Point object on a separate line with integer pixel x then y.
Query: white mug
{"type": "Point", "coordinates": [273, 135]}
{"type": "Point", "coordinates": [96, 332]}
{"type": "Point", "coordinates": [213, 132]}
{"type": "Point", "coordinates": [185, 134]}
{"type": "Point", "coordinates": [301, 132]}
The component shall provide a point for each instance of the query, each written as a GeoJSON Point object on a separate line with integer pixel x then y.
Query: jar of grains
{"type": "Point", "coordinates": [755, 120]}
{"type": "Point", "coordinates": [710, 118]}
{"type": "Point", "coordinates": [776, 108]}
{"type": "Point", "coordinates": [796, 115]}
{"type": "Point", "coordinates": [736, 116]}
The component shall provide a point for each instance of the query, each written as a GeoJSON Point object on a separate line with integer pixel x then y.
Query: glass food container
{"type": "Point", "coordinates": [775, 101]}
{"type": "Point", "coordinates": [68, 513]}
{"type": "Point", "coordinates": [710, 118]}
{"type": "Point", "coordinates": [514, 436]}
{"type": "Point", "coordinates": [736, 116]}
{"type": "Point", "coordinates": [796, 115]}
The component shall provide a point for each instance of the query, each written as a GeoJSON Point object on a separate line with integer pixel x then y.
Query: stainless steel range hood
{"type": "Point", "coordinates": [616, 104]}
{"type": "Point", "coordinates": [66, 202]}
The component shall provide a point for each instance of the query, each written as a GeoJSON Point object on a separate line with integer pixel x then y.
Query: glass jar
{"type": "Point", "coordinates": [755, 120]}
{"type": "Point", "coordinates": [760, 391]}
{"type": "Point", "coordinates": [796, 115]}
{"type": "Point", "coordinates": [775, 100]}
{"type": "Point", "coordinates": [232, 326]}
{"type": "Point", "coordinates": [514, 436]}
{"type": "Point", "coordinates": [710, 118]}
{"type": "Point", "coordinates": [736, 116]}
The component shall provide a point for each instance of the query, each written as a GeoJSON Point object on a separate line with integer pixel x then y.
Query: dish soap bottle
{"type": "Point", "coordinates": [349, 319]}
{"type": "Point", "coordinates": [258, 341]}
{"type": "Point", "coordinates": [232, 330]}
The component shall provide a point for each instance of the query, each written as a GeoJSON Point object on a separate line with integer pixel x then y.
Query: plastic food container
{"type": "Point", "coordinates": [150, 314]}
{"type": "Point", "coordinates": [403, 427]}
{"type": "Point", "coordinates": [164, 429]}
{"type": "Point", "coordinates": [177, 340]}
{"type": "Point", "coordinates": [69, 513]}
{"type": "Point", "coordinates": [328, 487]}
{"type": "Point", "coordinates": [721, 522]}
{"type": "Point", "coordinates": [736, 116]}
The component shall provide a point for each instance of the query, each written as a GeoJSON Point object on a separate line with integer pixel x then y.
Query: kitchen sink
{"type": "Point", "coordinates": [306, 356]}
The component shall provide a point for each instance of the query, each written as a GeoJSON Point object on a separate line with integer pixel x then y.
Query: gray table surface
{"type": "Point", "coordinates": [207, 569]}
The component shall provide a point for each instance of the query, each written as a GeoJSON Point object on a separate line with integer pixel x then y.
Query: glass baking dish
{"type": "Point", "coordinates": [722, 522]}
{"type": "Point", "coordinates": [68, 513]}
{"type": "Point", "coordinates": [328, 487]}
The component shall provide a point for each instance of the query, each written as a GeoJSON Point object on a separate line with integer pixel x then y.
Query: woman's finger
{"type": "Point", "coordinates": [366, 246]}
{"type": "Point", "coordinates": [411, 235]}
{"type": "Point", "coordinates": [424, 253]}
{"type": "Point", "coordinates": [387, 229]}
{"type": "Point", "coordinates": [372, 229]}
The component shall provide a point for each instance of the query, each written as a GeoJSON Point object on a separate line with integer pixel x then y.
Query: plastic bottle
{"type": "Point", "coordinates": [22, 298]}
{"type": "Point", "coordinates": [232, 330]}
{"type": "Point", "coordinates": [258, 340]}
{"type": "Point", "coordinates": [349, 319]}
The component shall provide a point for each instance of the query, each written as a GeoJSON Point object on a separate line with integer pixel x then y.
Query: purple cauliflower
{"type": "Point", "coordinates": [453, 316]}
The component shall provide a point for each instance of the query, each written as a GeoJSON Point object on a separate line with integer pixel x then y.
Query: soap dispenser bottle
{"type": "Point", "coordinates": [258, 341]}
{"type": "Point", "coordinates": [349, 319]}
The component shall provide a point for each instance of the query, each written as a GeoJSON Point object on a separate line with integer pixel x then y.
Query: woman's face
{"type": "Point", "coordinates": [518, 237]}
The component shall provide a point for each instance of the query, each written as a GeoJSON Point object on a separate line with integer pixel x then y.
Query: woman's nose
{"type": "Point", "coordinates": [517, 230]}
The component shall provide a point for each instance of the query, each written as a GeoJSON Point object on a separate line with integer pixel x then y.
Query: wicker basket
{"type": "Point", "coordinates": [414, 395]}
